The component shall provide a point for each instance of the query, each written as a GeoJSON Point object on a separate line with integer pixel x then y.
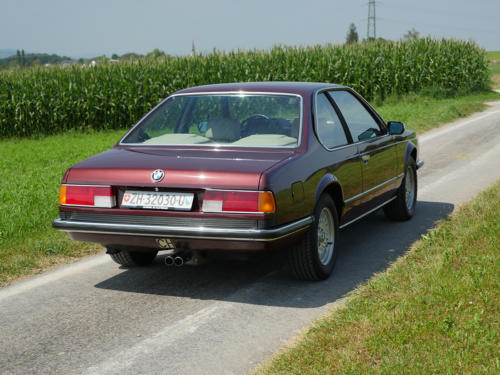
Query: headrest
{"type": "Point", "coordinates": [226, 130]}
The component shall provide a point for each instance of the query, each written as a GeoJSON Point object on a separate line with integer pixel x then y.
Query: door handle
{"type": "Point", "coordinates": [365, 158]}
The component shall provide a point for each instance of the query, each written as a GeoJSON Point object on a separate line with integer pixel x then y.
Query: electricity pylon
{"type": "Point", "coordinates": [371, 30]}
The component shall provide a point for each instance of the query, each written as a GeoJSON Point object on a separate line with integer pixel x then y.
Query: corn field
{"type": "Point", "coordinates": [114, 96]}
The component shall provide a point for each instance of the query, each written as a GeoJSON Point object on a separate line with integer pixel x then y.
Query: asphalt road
{"type": "Point", "coordinates": [92, 317]}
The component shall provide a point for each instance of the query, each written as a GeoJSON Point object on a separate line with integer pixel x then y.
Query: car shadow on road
{"type": "Point", "coordinates": [367, 247]}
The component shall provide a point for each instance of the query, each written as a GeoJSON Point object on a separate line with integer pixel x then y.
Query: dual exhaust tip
{"type": "Point", "coordinates": [174, 261]}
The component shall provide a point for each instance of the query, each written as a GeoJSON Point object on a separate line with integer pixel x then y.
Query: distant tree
{"type": "Point", "coordinates": [130, 56]}
{"type": "Point", "coordinates": [114, 56]}
{"type": "Point", "coordinates": [30, 59]}
{"type": "Point", "coordinates": [411, 35]}
{"type": "Point", "coordinates": [156, 53]}
{"type": "Point", "coordinates": [193, 49]}
{"type": "Point", "coordinates": [352, 34]}
{"type": "Point", "coordinates": [100, 59]}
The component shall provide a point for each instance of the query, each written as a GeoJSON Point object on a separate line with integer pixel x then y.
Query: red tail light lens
{"type": "Point", "coordinates": [81, 195]}
{"type": "Point", "coordinates": [238, 201]}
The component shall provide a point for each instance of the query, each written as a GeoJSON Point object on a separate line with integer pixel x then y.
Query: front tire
{"type": "Point", "coordinates": [314, 257]}
{"type": "Point", "coordinates": [128, 258]}
{"type": "Point", "coordinates": [403, 207]}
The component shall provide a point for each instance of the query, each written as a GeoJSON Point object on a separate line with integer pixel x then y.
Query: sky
{"type": "Point", "coordinates": [87, 28]}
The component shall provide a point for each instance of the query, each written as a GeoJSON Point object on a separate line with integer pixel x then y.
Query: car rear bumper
{"type": "Point", "coordinates": [94, 231]}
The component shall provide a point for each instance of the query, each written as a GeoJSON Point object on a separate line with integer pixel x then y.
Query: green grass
{"type": "Point", "coordinates": [31, 171]}
{"type": "Point", "coordinates": [494, 67]}
{"type": "Point", "coordinates": [434, 311]}
{"type": "Point", "coordinates": [30, 174]}
{"type": "Point", "coordinates": [493, 55]}
{"type": "Point", "coordinates": [495, 81]}
{"type": "Point", "coordinates": [422, 113]}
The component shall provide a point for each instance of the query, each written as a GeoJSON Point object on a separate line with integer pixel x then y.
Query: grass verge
{"type": "Point", "coordinates": [494, 66]}
{"type": "Point", "coordinates": [30, 176]}
{"type": "Point", "coordinates": [31, 170]}
{"type": "Point", "coordinates": [422, 113]}
{"type": "Point", "coordinates": [434, 311]}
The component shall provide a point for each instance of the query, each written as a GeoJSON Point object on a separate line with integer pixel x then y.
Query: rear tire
{"type": "Point", "coordinates": [314, 257]}
{"type": "Point", "coordinates": [403, 207]}
{"type": "Point", "coordinates": [128, 258]}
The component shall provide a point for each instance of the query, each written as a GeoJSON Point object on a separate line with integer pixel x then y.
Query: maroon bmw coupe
{"type": "Point", "coordinates": [243, 167]}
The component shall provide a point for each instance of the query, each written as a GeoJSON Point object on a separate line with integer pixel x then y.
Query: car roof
{"type": "Point", "coordinates": [301, 88]}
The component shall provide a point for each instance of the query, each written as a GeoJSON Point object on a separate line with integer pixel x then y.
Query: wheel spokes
{"type": "Point", "coordinates": [325, 236]}
{"type": "Point", "coordinates": [410, 188]}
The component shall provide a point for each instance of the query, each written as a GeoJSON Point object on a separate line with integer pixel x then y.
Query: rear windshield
{"type": "Point", "coordinates": [248, 120]}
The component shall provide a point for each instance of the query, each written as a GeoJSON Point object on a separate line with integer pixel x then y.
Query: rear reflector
{"type": "Point", "coordinates": [238, 201]}
{"type": "Point", "coordinates": [81, 195]}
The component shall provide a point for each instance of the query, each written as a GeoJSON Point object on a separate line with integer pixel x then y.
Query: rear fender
{"type": "Point", "coordinates": [329, 184]}
{"type": "Point", "coordinates": [325, 181]}
{"type": "Point", "coordinates": [411, 150]}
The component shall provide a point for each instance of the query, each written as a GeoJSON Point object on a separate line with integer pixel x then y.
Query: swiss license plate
{"type": "Point", "coordinates": [157, 200]}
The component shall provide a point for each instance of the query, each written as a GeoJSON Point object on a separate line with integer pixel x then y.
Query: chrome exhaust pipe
{"type": "Point", "coordinates": [169, 260]}
{"type": "Point", "coordinates": [178, 261]}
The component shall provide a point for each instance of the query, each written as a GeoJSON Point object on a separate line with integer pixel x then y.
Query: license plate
{"type": "Point", "coordinates": [157, 200]}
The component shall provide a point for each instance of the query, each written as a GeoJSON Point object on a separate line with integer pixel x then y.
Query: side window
{"type": "Point", "coordinates": [360, 122]}
{"type": "Point", "coordinates": [328, 126]}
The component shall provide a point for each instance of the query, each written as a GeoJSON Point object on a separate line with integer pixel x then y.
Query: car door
{"type": "Point", "coordinates": [374, 145]}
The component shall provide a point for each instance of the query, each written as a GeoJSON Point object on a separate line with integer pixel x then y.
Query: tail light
{"type": "Point", "coordinates": [238, 201]}
{"type": "Point", "coordinates": [84, 195]}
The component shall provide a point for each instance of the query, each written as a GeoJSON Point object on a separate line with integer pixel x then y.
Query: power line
{"type": "Point", "coordinates": [371, 29]}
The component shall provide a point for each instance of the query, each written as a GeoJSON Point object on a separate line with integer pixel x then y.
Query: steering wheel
{"type": "Point", "coordinates": [245, 131]}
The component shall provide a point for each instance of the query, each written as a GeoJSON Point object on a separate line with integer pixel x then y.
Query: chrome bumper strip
{"type": "Point", "coordinates": [399, 176]}
{"type": "Point", "coordinates": [184, 232]}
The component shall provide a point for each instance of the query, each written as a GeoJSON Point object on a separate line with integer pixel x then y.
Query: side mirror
{"type": "Point", "coordinates": [396, 127]}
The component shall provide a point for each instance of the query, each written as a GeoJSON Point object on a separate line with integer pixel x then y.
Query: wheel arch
{"type": "Point", "coordinates": [411, 152]}
{"type": "Point", "coordinates": [329, 184]}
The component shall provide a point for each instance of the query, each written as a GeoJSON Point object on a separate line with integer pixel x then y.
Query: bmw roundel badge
{"type": "Point", "coordinates": [157, 175]}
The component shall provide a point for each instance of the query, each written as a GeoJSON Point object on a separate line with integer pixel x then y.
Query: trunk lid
{"type": "Point", "coordinates": [216, 168]}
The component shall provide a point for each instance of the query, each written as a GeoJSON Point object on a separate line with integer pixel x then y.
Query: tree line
{"type": "Point", "coordinates": [25, 60]}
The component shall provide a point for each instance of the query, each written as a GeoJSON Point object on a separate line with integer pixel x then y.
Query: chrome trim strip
{"type": "Point", "coordinates": [420, 163]}
{"type": "Point", "coordinates": [86, 185]}
{"type": "Point", "coordinates": [301, 116]}
{"type": "Point", "coordinates": [225, 234]}
{"type": "Point", "coordinates": [240, 190]}
{"type": "Point", "coordinates": [360, 195]}
{"type": "Point", "coordinates": [367, 213]}
{"type": "Point", "coordinates": [85, 205]}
